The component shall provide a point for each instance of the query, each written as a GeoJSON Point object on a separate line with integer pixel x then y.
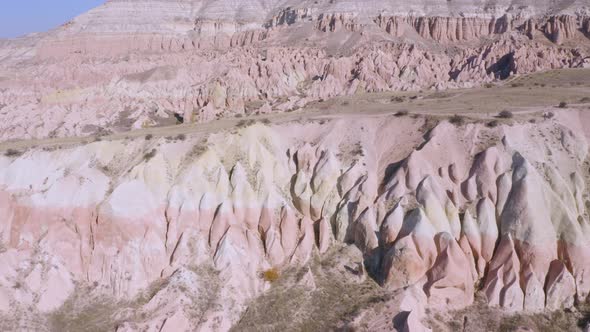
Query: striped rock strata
{"type": "Point", "coordinates": [500, 211]}
{"type": "Point", "coordinates": [202, 60]}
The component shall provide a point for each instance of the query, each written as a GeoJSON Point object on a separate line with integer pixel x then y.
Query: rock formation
{"type": "Point", "coordinates": [374, 222]}
{"type": "Point", "coordinates": [182, 59]}
{"type": "Point", "coordinates": [113, 218]}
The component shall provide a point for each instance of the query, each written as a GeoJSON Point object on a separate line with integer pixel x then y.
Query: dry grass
{"type": "Point", "coordinates": [481, 317]}
{"type": "Point", "coordinates": [492, 124]}
{"type": "Point", "coordinates": [505, 114]}
{"type": "Point", "coordinates": [245, 123]}
{"type": "Point", "coordinates": [78, 315]}
{"type": "Point", "coordinates": [271, 275]}
{"type": "Point", "coordinates": [12, 153]}
{"type": "Point", "coordinates": [149, 155]}
{"type": "Point", "coordinates": [289, 306]}
{"type": "Point", "coordinates": [457, 120]}
{"type": "Point", "coordinates": [85, 310]}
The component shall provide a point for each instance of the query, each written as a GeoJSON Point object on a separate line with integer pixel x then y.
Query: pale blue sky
{"type": "Point", "coordinates": [19, 17]}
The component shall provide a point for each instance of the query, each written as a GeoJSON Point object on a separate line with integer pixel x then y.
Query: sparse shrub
{"type": "Point", "coordinates": [505, 115]}
{"type": "Point", "coordinates": [493, 124]}
{"type": "Point", "coordinates": [532, 121]}
{"type": "Point", "coordinates": [548, 115]}
{"type": "Point", "coordinates": [239, 115]}
{"type": "Point", "coordinates": [397, 99]}
{"type": "Point", "coordinates": [585, 100]}
{"type": "Point", "coordinates": [265, 121]}
{"type": "Point", "coordinates": [488, 85]}
{"type": "Point", "coordinates": [179, 118]}
{"type": "Point", "coordinates": [149, 137]}
{"type": "Point", "coordinates": [358, 150]}
{"type": "Point", "coordinates": [516, 85]}
{"type": "Point", "coordinates": [345, 103]}
{"type": "Point", "coordinates": [457, 120]}
{"type": "Point", "coordinates": [150, 155]}
{"type": "Point", "coordinates": [181, 137]}
{"type": "Point", "coordinates": [245, 123]}
{"type": "Point", "coordinates": [401, 113]}
{"type": "Point", "coordinates": [12, 153]}
{"type": "Point", "coordinates": [271, 275]}
{"type": "Point", "coordinates": [562, 104]}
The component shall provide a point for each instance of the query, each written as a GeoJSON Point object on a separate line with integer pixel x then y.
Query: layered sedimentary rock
{"type": "Point", "coordinates": [558, 29]}
{"type": "Point", "coordinates": [446, 29]}
{"type": "Point", "coordinates": [79, 97]}
{"type": "Point", "coordinates": [190, 233]}
{"type": "Point", "coordinates": [198, 61]}
{"type": "Point", "coordinates": [465, 206]}
{"type": "Point", "coordinates": [561, 28]}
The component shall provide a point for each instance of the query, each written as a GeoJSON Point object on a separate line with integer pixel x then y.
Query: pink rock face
{"type": "Point", "coordinates": [445, 29]}
{"type": "Point", "coordinates": [96, 75]}
{"type": "Point", "coordinates": [449, 283]}
{"type": "Point", "coordinates": [190, 233]}
{"type": "Point", "coordinates": [522, 237]}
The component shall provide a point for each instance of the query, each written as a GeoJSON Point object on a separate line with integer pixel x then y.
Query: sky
{"type": "Point", "coordinates": [20, 17]}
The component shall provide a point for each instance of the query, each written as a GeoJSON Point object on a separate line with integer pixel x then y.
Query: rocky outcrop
{"type": "Point", "coordinates": [445, 29]}
{"type": "Point", "coordinates": [291, 16]}
{"type": "Point", "coordinates": [558, 29]}
{"type": "Point", "coordinates": [121, 215]}
{"type": "Point", "coordinates": [561, 28]}
{"type": "Point", "coordinates": [199, 87]}
{"type": "Point", "coordinates": [189, 233]}
{"type": "Point", "coordinates": [338, 21]}
{"type": "Point", "coordinates": [191, 62]}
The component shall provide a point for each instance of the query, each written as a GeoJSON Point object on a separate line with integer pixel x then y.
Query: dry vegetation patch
{"type": "Point", "coordinates": [292, 306]}
{"type": "Point", "coordinates": [13, 153]}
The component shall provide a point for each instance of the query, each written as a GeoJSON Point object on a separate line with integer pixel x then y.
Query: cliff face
{"type": "Point", "coordinates": [461, 207]}
{"type": "Point", "coordinates": [78, 97]}
{"type": "Point", "coordinates": [206, 60]}
{"type": "Point", "coordinates": [446, 29]}
{"type": "Point", "coordinates": [371, 221]}
{"type": "Point", "coordinates": [558, 29]}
